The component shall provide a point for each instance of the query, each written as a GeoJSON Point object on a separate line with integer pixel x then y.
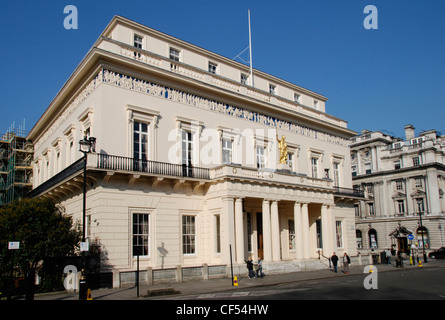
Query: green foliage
{"type": "Point", "coordinates": [42, 230]}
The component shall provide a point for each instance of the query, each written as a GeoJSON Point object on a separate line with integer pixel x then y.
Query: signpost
{"type": "Point", "coordinates": [12, 245]}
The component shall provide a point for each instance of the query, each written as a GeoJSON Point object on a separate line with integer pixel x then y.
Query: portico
{"type": "Point", "coordinates": [280, 230]}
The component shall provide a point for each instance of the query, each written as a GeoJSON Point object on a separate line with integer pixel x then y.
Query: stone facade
{"type": "Point", "coordinates": [185, 169]}
{"type": "Point", "coordinates": [403, 181]}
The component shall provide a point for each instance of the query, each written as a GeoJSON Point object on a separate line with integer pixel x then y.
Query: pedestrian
{"type": "Point", "coordinates": [388, 256]}
{"type": "Point", "coordinates": [250, 268]}
{"type": "Point", "coordinates": [259, 272]}
{"type": "Point", "coordinates": [334, 260]}
{"type": "Point", "coordinates": [346, 262]}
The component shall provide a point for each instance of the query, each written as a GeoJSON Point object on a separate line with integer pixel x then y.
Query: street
{"type": "Point", "coordinates": [420, 284]}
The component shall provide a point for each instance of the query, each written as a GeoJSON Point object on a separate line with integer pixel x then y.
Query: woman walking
{"type": "Point", "coordinates": [346, 262]}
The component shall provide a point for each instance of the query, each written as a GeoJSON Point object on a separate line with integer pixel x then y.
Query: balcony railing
{"type": "Point", "coordinates": [117, 163]}
{"type": "Point", "coordinates": [349, 192]}
{"type": "Point", "coordinates": [163, 169]}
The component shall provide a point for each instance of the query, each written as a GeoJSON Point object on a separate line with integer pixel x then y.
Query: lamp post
{"type": "Point", "coordinates": [87, 145]}
{"type": "Point", "coordinates": [423, 239]}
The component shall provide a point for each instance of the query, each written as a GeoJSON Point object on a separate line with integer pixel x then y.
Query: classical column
{"type": "Point", "coordinates": [275, 231]}
{"type": "Point", "coordinates": [227, 229]}
{"type": "Point", "coordinates": [298, 226]}
{"type": "Point", "coordinates": [239, 230]}
{"type": "Point", "coordinates": [305, 224]}
{"type": "Point", "coordinates": [267, 241]}
{"type": "Point", "coordinates": [326, 229]}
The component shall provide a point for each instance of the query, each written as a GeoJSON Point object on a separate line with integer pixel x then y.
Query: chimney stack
{"type": "Point", "coordinates": [409, 132]}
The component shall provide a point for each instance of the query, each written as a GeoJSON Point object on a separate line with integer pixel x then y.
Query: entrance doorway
{"type": "Point", "coordinates": [402, 244]}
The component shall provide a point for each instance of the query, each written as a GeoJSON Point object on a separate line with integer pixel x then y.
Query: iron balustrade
{"type": "Point", "coordinates": [349, 192]}
{"type": "Point", "coordinates": [118, 163]}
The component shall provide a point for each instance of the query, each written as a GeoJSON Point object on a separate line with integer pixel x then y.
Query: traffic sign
{"type": "Point", "coordinates": [14, 245]}
{"type": "Point", "coordinates": [411, 237]}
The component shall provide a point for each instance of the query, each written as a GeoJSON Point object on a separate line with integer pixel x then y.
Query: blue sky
{"type": "Point", "coordinates": [375, 79]}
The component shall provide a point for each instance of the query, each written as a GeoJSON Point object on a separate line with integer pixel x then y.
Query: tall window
{"type": "Point", "coordinates": [357, 210]}
{"type": "Point", "coordinates": [187, 153]}
{"type": "Point", "coordinates": [314, 165]}
{"type": "Point", "coordinates": [188, 235]}
{"type": "Point", "coordinates": [372, 234]}
{"type": "Point", "coordinates": [420, 205]}
{"type": "Point", "coordinates": [359, 239]}
{"type": "Point", "coordinates": [371, 209]}
{"type": "Point", "coordinates": [218, 233]}
{"type": "Point", "coordinates": [260, 158]}
{"type": "Point", "coordinates": [140, 145]}
{"type": "Point", "coordinates": [290, 160]}
{"type": "Point", "coordinates": [339, 234]}
{"type": "Point", "coordinates": [141, 234]}
{"type": "Point", "coordinates": [227, 151]}
{"type": "Point", "coordinates": [401, 206]}
{"type": "Point", "coordinates": [291, 225]}
{"type": "Point", "coordinates": [336, 175]}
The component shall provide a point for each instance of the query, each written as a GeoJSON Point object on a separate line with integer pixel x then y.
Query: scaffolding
{"type": "Point", "coordinates": [16, 155]}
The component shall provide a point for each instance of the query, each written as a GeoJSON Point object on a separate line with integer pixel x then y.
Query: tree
{"type": "Point", "coordinates": [43, 232]}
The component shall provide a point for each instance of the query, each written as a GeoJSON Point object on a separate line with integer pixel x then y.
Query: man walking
{"type": "Point", "coordinates": [334, 260]}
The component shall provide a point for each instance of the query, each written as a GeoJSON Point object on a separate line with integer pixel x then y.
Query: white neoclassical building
{"type": "Point", "coordinates": [195, 168]}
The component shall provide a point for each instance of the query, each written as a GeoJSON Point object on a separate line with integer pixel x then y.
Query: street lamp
{"type": "Point", "coordinates": [87, 145]}
{"type": "Point", "coordinates": [423, 239]}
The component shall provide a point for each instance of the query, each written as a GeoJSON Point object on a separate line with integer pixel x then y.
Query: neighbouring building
{"type": "Point", "coordinates": [195, 167]}
{"type": "Point", "coordinates": [16, 156]}
{"type": "Point", "coordinates": [404, 182]}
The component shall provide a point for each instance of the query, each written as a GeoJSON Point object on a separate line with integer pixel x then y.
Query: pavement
{"type": "Point", "coordinates": [191, 289]}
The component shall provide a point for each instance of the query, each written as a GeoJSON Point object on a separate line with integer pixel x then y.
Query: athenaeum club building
{"type": "Point", "coordinates": [196, 164]}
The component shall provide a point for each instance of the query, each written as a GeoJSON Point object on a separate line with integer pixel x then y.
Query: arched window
{"type": "Point", "coordinates": [359, 239]}
{"type": "Point", "coordinates": [422, 231]}
{"type": "Point", "coordinates": [372, 234]}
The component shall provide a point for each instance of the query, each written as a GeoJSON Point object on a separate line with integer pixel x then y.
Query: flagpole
{"type": "Point", "coordinates": [250, 51]}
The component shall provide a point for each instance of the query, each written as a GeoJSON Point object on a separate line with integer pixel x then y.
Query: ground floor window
{"type": "Point", "coordinates": [141, 234]}
{"type": "Point", "coordinates": [188, 235]}
{"type": "Point", "coordinates": [358, 239]}
{"type": "Point", "coordinates": [372, 238]}
{"type": "Point", "coordinates": [339, 234]}
{"type": "Point", "coordinates": [291, 234]}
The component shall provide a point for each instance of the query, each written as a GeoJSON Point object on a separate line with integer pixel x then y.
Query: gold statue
{"type": "Point", "coordinates": [283, 149]}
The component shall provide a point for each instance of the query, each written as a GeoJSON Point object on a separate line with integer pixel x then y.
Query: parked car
{"type": "Point", "coordinates": [437, 254]}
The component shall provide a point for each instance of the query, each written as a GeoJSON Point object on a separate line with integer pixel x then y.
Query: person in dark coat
{"type": "Point", "coordinates": [334, 260]}
{"type": "Point", "coordinates": [249, 263]}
